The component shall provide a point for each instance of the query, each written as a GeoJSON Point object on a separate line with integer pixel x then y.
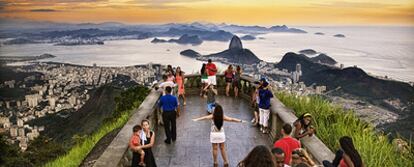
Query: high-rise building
{"type": "Point", "coordinates": [13, 131]}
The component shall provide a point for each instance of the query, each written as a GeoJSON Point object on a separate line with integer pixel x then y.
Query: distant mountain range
{"type": "Point", "coordinates": [25, 32]}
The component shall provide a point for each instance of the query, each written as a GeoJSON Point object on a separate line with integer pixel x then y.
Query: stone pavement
{"type": "Point", "coordinates": [193, 147]}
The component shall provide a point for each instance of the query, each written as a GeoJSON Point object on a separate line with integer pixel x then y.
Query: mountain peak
{"type": "Point", "coordinates": [235, 43]}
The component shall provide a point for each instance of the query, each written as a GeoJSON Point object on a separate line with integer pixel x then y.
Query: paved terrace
{"type": "Point", "coordinates": [193, 147]}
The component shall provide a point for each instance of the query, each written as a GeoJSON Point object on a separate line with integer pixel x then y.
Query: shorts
{"type": "Point", "coordinates": [229, 80]}
{"type": "Point", "coordinates": [210, 107]}
{"type": "Point", "coordinates": [236, 83]}
{"type": "Point", "coordinates": [204, 80]}
{"type": "Point", "coordinates": [217, 137]}
{"type": "Point", "coordinates": [212, 80]}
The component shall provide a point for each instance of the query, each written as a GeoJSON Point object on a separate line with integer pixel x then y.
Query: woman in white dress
{"type": "Point", "coordinates": [217, 136]}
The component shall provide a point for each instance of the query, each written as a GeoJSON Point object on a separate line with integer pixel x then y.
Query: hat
{"type": "Point", "coordinates": [265, 84]}
{"type": "Point", "coordinates": [307, 115]}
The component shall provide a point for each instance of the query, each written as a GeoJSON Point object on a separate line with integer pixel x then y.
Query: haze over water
{"type": "Point", "coordinates": [378, 50]}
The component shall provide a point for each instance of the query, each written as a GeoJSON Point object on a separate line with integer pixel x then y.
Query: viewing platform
{"type": "Point", "coordinates": [192, 147]}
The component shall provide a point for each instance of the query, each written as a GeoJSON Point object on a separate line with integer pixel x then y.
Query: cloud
{"type": "Point", "coordinates": [163, 4]}
{"type": "Point", "coordinates": [345, 4]}
{"type": "Point", "coordinates": [43, 10]}
{"type": "Point", "coordinates": [3, 4]}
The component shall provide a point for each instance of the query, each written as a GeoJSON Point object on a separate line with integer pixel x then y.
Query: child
{"type": "Point", "coordinates": [135, 142]}
{"type": "Point", "coordinates": [256, 101]}
{"type": "Point", "coordinates": [211, 97]}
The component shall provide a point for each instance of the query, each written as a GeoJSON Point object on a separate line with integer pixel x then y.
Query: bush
{"type": "Point", "coordinates": [333, 122]}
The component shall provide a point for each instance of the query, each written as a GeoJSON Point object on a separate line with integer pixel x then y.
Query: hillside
{"type": "Point", "coordinates": [352, 80]}
{"type": "Point", "coordinates": [87, 119]}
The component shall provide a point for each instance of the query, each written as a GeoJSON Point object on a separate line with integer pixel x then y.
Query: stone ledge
{"type": "Point", "coordinates": [313, 144]}
{"type": "Point", "coordinates": [115, 152]}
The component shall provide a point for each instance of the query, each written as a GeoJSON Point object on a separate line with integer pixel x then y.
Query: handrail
{"type": "Point", "coordinates": [114, 153]}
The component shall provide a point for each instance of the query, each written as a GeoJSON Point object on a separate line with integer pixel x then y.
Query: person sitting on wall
{"type": "Point", "coordinates": [303, 126]}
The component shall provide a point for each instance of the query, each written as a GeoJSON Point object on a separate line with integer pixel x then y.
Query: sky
{"type": "Point", "coordinates": [245, 12]}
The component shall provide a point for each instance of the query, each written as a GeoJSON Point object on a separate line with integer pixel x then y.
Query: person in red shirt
{"type": "Point", "coordinates": [211, 72]}
{"type": "Point", "coordinates": [287, 143]}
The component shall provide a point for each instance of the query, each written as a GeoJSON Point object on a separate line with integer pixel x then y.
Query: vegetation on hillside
{"type": "Point", "coordinates": [333, 122]}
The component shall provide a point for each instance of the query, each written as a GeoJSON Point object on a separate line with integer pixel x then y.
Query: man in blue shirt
{"type": "Point", "coordinates": [264, 105]}
{"type": "Point", "coordinates": [169, 104]}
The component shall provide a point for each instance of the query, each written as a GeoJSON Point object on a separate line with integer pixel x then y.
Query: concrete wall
{"type": "Point", "coordinates": [280, 115]}
{"type": "Point", "coordinates": [116, 154]}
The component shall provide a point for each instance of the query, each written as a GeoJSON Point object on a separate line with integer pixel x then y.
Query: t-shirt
{"type": "Point", "coordinates": [135, 140]}
{"type": "Point", "coordinates": [342, 163]}
{"type": "Point", "coordinates": [287, 144]}
{"type": "Point", "coordinates": [211, 68]}
{"type": "Point", "coordinates": [264, 98]}
{"type": "Point", "coordinates": [168, 102]}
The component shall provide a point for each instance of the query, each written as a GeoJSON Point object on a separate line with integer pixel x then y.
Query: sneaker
{"type": "Point", "coordinates": [184, 103]}
{"type": "Point", "coordinates": [261, 129]}
{"type": "Point", "coordinates": [167, 141]}
{"type": "Point", "coordinates": [142, 164]}
{"type": "Point", "coordinates": [253, 120]}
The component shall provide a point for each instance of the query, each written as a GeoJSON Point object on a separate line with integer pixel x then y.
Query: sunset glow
{"type": "Point", "coordinates": [264, 12]}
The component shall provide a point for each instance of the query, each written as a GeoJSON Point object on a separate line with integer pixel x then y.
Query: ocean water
{"type": "Point", "coordinates": [379, 51]}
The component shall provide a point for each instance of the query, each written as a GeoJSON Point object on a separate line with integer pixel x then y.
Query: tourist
{"type": "Point", "coordinates": [287, 143]}
{"type": "Point", "coordinates": [211, 72]}
{"type": "Point", "coordinates": [347, 156]}
{"type": "Point", "coordinates": [236, 81]}
{"type": "Point", "coordinates": [279, 157]}
{"type": "Point", "coordinates": [169, 104]}
{"type": "Point", "coordinates": [211, 97]}
{"type": "Point", "coordinates": [179, 79]}
{"type": "Point", "coordinates": [170, 70]}
{"type": "Point", "coordinates": [303, 126]}
{"type": "Point", "coordinates": [300, 156]}
{"type": "Point", "coordinates": [135, 141]}
{"type": "Point", "coordinates": [228, 75]}
{"type": "Point", "coordinates": [217, 136]}
{"type": "Point", "coordinates": [264, 106]}
{"type": "Point", "coordinates": [148, 140]}
{"type": "Point", "coordinates": [259, 156]}
{"type": "Point", "coordinates": [170, 76]}
{"type": "Point", "coordinates": [204, 78]}
{"type": "Point", "coordinates": [165, 84]}
{"type": "Point", "coordinates": [255, 103]}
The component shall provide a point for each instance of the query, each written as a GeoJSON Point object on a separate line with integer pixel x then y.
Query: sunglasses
{"type": "Point", "coordinates": [280, 162]}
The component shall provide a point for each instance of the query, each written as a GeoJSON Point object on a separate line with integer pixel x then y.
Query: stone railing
{"type": "Point", "coordinates": [117, 153]}
{"type": "Point", "coordinates": [280, 114]}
